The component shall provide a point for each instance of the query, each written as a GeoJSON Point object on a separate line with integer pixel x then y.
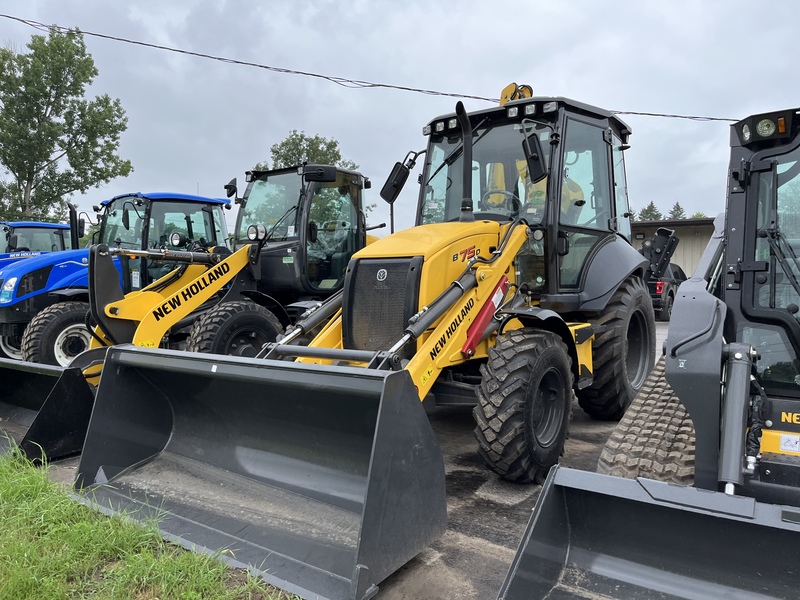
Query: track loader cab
{"type": "Point", "coordinates": [713, 439]}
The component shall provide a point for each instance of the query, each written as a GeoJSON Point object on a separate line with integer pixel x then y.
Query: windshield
{"type": "Point", "coordinates": [198, 221]}
{"type": "Point", "coordinates": [272, 201]}
{"type": "Point", "coordinates": [501, 187]}
{"type": "Point", "coordinates": [33, 239]}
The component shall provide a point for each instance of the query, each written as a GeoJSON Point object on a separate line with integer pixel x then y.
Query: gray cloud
{"type": "Point", "coordinates": [195, 123]}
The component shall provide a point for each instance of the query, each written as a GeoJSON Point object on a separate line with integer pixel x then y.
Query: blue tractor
{"type": "Point", "coordinates": [44, 299]}
{"type": "Point", "coordinates": [25, 239]}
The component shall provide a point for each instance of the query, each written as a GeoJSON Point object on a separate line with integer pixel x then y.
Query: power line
{"type": "Point", "coordinates": [342, 81]}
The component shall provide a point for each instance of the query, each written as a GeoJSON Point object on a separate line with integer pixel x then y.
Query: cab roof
{"type": "Point", "coordinates": [169, 196]}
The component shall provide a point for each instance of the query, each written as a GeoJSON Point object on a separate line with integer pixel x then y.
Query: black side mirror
{"type": "Point", "coordinates": [534, 157]}
{"type": "Point", "coordinates": [230, 188]}
{"type": "Point", "coordinates": [312, 231]}
{"type": "Point", "coordinates": [126, 218]}
{"type": "Point", "coordinates": [81, 227]}
{"type": "Point", "coordinates": [320, 173]}
{"type": "Point", "coordinates": [12, 241]}
{"type": "Point", "coordinates": [395, 182]}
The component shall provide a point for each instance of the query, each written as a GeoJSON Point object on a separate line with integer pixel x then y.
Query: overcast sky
{"type": "Point", "coordinates": [195, 123]}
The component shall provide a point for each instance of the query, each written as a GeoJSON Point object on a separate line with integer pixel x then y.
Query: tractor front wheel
{"type": "Point", "coordinates": [238, 328]}
{"type": "Point", "coordinates": [57, 334]}
{"type": "Point", "coordinates": [524, 404]}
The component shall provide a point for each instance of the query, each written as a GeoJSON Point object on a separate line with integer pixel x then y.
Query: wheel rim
{"type": "Point", "coordinates": [70, 342]}
{"type": "Point", "coordinates": [636, 352]}
{"type": "Point", "coordinates": [11, 345]}
{"type": "Point", "coordinates": [247, 343]}
{"type": "Point", "coordinates": [547, 409]}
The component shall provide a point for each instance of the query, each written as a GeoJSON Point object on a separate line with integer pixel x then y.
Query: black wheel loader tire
{"type": "Point", "coordinates": [57, 334]}
{"type": "Point", "coordinates": [666, 311]}
{"type": "Point", "coordinates": [623, 353]}
{"type": "Point", "coordinates": [238, 328]}
{"type": "Point", "coordinates": [524, 404]}
{"type": "Point", "coordinates": [655, 438]}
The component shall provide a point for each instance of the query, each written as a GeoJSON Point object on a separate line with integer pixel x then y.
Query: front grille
{"type": "Point", "coordinates": [33, 282]}
{"type": "Point", "coordinates": [380, 296]}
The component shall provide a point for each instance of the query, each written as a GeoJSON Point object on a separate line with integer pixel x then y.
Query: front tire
{"type": "Point", "coordinates": [623, 353]}
{"type": "Point", "coordinates": [238, 328]}
{"type": "Point", "coordinates": [655, 438]}
{"type": "Point", "coordinates": [57, 334]}
{"type": "Point", "coordinates": [524, 404]}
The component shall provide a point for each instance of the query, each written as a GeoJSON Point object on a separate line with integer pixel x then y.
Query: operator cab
{"type": "Point", "coordinates": [143, 222]}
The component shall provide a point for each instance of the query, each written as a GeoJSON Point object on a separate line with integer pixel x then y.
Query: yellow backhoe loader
{"type": "Point", "coordinates": [316, 465]}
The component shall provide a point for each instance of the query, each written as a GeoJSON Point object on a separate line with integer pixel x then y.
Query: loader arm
{"type": "Point", "coordinates": [162, 304]}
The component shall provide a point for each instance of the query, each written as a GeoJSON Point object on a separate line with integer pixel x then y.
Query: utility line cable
{"type": "Point", "coordinates": [342, 81]}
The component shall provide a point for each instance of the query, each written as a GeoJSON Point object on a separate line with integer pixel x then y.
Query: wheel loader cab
{"type": "Point", "coordinates": [314, 219]}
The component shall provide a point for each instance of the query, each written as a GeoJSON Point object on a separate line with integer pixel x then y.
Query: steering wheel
{"type": "Point", "coordinates": [510, 201]}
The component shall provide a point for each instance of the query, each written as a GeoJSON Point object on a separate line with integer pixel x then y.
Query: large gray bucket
{"type": "Point", "coordinates": [43, 409]}
{"type": "Point", "coordinates": [596, 536]}
{"type": "Point", "coordinates": [322, 480]}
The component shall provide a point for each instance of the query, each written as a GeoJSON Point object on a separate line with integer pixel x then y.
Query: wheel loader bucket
{"type": "Point", "coordinates": [322, 480]}
{"type": "Point", "coordinates": [597, 536]}
{"type": "Point", "coordinates": [43, 409]}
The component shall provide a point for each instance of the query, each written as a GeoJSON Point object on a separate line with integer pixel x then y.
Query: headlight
{"type": "Point", "coordinates": [256, 233]}
{"type": "Point", "coordinates": [8, 290]}
{"type": "Point", "coordinates": [746, 133]}
{"type": "Point", "coordinates": [765, 127]}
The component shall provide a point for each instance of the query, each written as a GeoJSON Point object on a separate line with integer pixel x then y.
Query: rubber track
{"type": "Point", "coordinates": [655, 438]}
{"type": "Point", "coordinates": [500, 414]}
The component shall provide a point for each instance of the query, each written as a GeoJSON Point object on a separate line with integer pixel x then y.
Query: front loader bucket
{"type": "Point", "coordinates": [322, 480]}
{"type": "Point", "coordinates": [44, 409]}
{"type": "Point", "coordinates": [597, 536]}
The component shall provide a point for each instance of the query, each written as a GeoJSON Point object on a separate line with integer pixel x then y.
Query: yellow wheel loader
{"type": "Point", "coordinates": [697, 493]}
{"type": "Point", "coordinates": [212, 302]}
{"type": "Point", "coordinates": [316, 465]}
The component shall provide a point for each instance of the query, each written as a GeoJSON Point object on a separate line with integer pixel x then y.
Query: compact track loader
{"type": "Point", "coordinates": [698, 494]}
{"type": "Point", "coordinates": [316, 465]}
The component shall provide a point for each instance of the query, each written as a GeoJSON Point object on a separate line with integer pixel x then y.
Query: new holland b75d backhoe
{"type": "Point", "coordinates": [517, 288]}
{"type": "Point", "coordinates": [713, 437]}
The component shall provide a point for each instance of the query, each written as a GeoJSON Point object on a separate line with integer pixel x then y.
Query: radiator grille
{"type": "Point", "coordinates": [33, 282]}
{"type": "Point", "coordinates": [381, 295]}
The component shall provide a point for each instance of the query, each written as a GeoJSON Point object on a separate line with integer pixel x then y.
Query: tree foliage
{"type": "Point", "coordinates": [677, 212]}
{"type": "Point", "coordinates": [699, 215]}
{"type": "Point", "coordinates": [53, 140]}
{"type": "Point", "coordinates": [650, 213]}
{"type": "Point", "coordinates": [298, 148]}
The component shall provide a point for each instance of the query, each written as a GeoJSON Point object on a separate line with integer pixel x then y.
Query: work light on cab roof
{"type": "Point", "coordinates": [767, 129]}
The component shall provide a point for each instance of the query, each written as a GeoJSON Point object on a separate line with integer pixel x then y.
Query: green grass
{"type": "Point", "coordinates": [52, 547]}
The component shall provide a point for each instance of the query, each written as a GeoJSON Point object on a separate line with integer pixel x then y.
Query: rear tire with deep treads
{"type": "Point", "coordinates": [623, 353]}
{"type": "Point", "coordinates": [524, 404]}
{"type": "Point", "coordinates": [238, 328]}
{"type": "Point", "coordinates": [655, 438]}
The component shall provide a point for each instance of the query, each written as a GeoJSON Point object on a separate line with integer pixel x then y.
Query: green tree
{"type": "Point", "coordinates": [650, 213]}
{"type": "Point", "coordinates": [677, 212]}
{"type": "Point", "coordinates": [298, 148]}
{"type": "Point", "coordinates": [699, 215]}
{"type": "Point", "coordinates": [53, 140]}
{"type": "Point", "coordinates": [633, 214]}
